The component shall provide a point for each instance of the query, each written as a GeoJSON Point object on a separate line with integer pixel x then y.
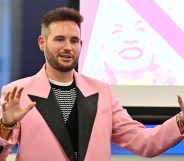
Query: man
{"type": "Point", "coordinates": [60, 115]}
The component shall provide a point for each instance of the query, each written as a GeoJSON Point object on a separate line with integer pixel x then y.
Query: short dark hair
{"type": "Point", "coordinates": [60, 14]}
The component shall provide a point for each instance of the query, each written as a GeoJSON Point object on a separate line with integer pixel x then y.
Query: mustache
{"type": "Point", "coordinates": [66, 54]}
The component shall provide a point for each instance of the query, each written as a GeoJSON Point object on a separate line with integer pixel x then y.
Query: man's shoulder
{"type": "Point", "coordinates": [20, 82]}
{"type": "Point", "coordinates": [88, 78]}
{"type": "Point", "coordinates": [92, 81]}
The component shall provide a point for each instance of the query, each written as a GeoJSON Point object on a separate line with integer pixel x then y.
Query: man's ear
{"type": "Point", "coordinates": [41, 42]}
{"type": "Point", "coordinates": [81, 43]}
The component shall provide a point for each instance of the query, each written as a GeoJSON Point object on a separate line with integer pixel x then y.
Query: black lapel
{"type": "Point", "coordinates": [87, 109]}
{"type": "Point", "coordinates": [50, 111]}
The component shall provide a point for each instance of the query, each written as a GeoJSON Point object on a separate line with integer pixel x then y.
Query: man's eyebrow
{"type": "Point", "coordinates": [61, 36]}
{"type": "Point", "coordinates": [58, 36]}
{"type": "Point", "coordinates": [75, 37]}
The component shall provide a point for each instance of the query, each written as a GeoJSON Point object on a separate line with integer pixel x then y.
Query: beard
{"type": "Point", "coordinates": [54, 62]}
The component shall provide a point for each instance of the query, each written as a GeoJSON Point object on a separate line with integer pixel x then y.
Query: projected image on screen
{"type": "Point", "coordinates": [130, 44]}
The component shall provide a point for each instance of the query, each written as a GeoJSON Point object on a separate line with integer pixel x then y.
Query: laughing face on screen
{"type": "Point", "coordinates": [129, 53]}
{"type": "Point", "coordinates": [128, 50]}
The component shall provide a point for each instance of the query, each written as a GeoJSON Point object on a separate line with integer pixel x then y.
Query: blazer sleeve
{"type": "Point", "coordinates": [134, 136]}
{"type": "Point", "coordinates": [7, 145]}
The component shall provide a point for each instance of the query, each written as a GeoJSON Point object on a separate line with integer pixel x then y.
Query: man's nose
{"type": "Point", "coordinates": [67, 45]}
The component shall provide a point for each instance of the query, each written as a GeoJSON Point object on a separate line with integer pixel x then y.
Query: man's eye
{"type": "Point", "coordinates": [59, 39]}
{"type": "Point", "coordinates": [74, 41]}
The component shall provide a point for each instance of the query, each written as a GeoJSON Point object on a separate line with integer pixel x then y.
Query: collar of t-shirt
{"type": "Point", "coordinates": [60, 83]}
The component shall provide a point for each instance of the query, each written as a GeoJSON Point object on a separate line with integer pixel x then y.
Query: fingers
{"type": "Point", "coordinates": [6, 97]}
{"type": "Point", "coordinates": [15, 93]}
{"type": "Point", "coordinates": [3, 104]}
{"type": "Point", "coordinates": [12, 93]}
{"type": "Point", "coordinates": [181, 103]}
{"type": "Point", "coordinates": [29, 107]}
{"type": "Point", "coordinates": [19, 92]}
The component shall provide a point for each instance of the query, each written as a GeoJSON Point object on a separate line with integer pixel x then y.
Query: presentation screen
{"type": "Point", "coordinates": [137, 46]}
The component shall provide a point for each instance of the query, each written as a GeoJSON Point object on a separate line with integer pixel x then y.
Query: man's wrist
{"type": "Point", "coordinates": [180, 122]}
{"type": "Point", "coordinates": [6, 127]}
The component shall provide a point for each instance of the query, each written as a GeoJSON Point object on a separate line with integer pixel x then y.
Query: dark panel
{"type": "Point", "coordinates": [74, 4]}
{"type": "Point", "coordinates": [152, 115]}
{"type": "Point", "coordinates": [31, 57]}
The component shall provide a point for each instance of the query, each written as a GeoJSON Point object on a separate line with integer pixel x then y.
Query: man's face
{"type": "Point", "coordinates": [62, 45]}
{"type": "Point", "coordinates": [129, 47]}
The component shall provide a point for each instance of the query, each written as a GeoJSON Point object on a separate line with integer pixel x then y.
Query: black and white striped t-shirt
{"type": "Point", "coordinates": [67, 99]}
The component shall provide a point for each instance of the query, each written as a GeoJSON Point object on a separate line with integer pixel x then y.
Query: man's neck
{"type": "Point", "coordinates": [58, 76]}
{"type": "Point", "coordinates": [60, 83]}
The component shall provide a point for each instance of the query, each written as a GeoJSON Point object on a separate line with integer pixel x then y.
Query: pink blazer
{"type": "Point", "coordinates": [42, 134]}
